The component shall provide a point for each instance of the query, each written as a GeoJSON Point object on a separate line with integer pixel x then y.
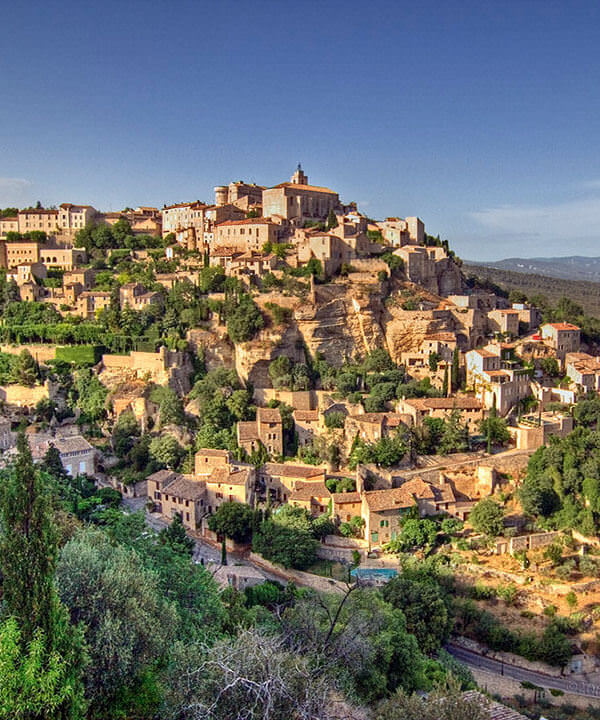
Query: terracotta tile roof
{"type": "Point", "coordinates": [347, 497]}
{"type": "Point", "coordinates": [247, 430]}
{"type": "Point", "coordinates": [403, 496]}
{"type": "Point", "coordinates": [212, 452]}
{"type": "Point", "coordinates": [195, 204]}
{"type": "Point", "coordinates": [186, 488]}
{"type": "Point", "coordinates": [293, 471]}
{"type": "Point", "coordinates": [368, 417]}
{"type": "Point", "coordinates": [485, 353]}
{"type": "Point", "coordinates": [462, 403]}
{"type": "Point", "coordinates": [442, 336]}
{"type": "Point", "coordinates": [312, 188]}
{"type": "Point", "coordinates": [162, 476]}
{"type": "Point", "coordinates": [306, 415]}
{"type": "Point", "coordinates": [246, 221]}
{"type": "Point", "coordinates": [239, 476]}
{"type": "Point", "coordinates": [306, 491]}
{"type": "Point", "coordinates": [225, 252]}
{"type": "Point", "coordinates": [268, 415]}
{"type": "Point", "coordinates": [561, 326]}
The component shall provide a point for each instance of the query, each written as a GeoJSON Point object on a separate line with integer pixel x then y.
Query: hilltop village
{"type": "Point", "coordinates": [279, 352]}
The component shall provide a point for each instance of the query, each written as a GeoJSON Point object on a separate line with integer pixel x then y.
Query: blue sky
{"type": "Point", "coordinates": [480, 117]}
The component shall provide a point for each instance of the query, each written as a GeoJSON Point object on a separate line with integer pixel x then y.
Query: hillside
{"type": "Point", "coordinates": [573, 267]}
{"type": "Point", "coordinates": [585, 293]}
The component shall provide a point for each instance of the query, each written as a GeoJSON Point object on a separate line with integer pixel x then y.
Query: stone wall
{"type": "Point", "coordinates": [40, 353]}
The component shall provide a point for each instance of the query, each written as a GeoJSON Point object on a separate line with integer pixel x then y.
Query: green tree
{"type": "Point", "coordinates": [495, 429]}
{"type": "Point", "coordinates": [487, 517]}
{"type": "Point", "coordinates": [445, 386]}
{"type": "Point", "coordinates": [34, 683]}
{"type": "Point", "coordinates": [166, 451]}
{"type": "Point", "coordinates": [26, 371]}
{"type": "Point", "coordinates": [52, 462]}
{"type": "Point", "coordinates": [234, 520]}
{"type": "Point", "coordinates": [455, 437]}
{"type": "Point", "coordinates": [38, 622]}
{"type": "Point", "coordinates": [176, 537]}
{"type": "Point", "coordinates": [454, 377]}
{"type": "Point", "coordinates": [128, 623]}
{"type": "Point", "coordinates": [245, 321]}
{"type": "Point", "coordinates": [27, 545]}
{"type": "Point", "coordinates": [332, 221]}
{"type": "Point", "coordinates": [426, 607]}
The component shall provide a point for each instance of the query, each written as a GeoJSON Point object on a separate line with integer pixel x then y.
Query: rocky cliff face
{"type": "Point", "coordinates": [340, 320]}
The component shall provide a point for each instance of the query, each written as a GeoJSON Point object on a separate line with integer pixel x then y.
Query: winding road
{"type": "Point", "coordinates": [566, 684]}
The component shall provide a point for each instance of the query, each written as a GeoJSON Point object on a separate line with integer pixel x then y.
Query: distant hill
{"type": "Point", "coordinates": [585, 293]}
{"type": "Point", "coordinates": [573, 267]}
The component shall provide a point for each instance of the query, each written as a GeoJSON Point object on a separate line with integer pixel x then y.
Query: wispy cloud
{"type": "Point", "coordinates": [569, 220]}
{"type": "Point", "coordinates": [7, 183]}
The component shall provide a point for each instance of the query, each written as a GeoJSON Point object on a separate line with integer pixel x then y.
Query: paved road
{"type": "Point", "coordinates": [497, 667]}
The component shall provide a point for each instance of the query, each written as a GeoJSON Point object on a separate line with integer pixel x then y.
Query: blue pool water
{"type": "Point", "coordinates": [377, 574]}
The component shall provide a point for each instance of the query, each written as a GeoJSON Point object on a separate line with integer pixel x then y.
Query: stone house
{"type": "Point", "coordinates": [72, 218]}
{"type": "Point", "coordinates": [441, 343]}
{"type": "Point", "coordinates": [173, 494]}
{"type": "Point", "coordinates": [16, 253]}
{"type": "Point", "coordinates": [307, 425]}
{"type": "Point", "coordinates": [62, 258]}
{"type": "Point", "coordinates": [584, 371]}
{"type": "Point", "coordinates": [279, 480]}
{"type": "Point", "coordinates": [345, 506]}
{"type": "Point", "coordinates": [8, 224]}
{"type": "Point", "coordinates": [266, 429]}
{"type": "Point", "coordinates": [314, 497]}
{"type": "Point", "coordinates": [76, 454]}
{"type": "Point", "coordinates": [504, 321]}
{"type": "Point", "coordinates": [496, 381]}
{"type": "Point", "coordinates": [563, 337]}
{"type": "Point", "coordinates": [135, 296]}
{"type": "Point", "coordinates": [471, 409]}
{"type": "Point", "coordinates": [383, 510]}
{"type": "Point", "coordinates": [248, 235]}
{"type": "Point", "coordinates": [89, 303]}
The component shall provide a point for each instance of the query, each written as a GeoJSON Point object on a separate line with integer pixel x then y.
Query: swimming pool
{"type": "Point", "coordinates": [381, 575]}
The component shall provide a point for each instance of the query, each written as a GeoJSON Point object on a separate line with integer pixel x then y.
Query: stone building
{"type": "Point", "coordinates": [495, 381]}
{"type": "Point", "coordinates": [298, 201]}
{"type": "Point", "coordinates": [266, 429]}
{"type": "Point", "coordinates": [563, 337]}
{"type": "Point", "coordinates": [38, 219]}
{"type": "Point", "coordinates": [399, 232]}
{"type": "Point", "coordinates": [135, 296]}
{"type": "Point", "coordinates": [89, 303]}
{"type": "Point", "coordinates": [246, 235]}
{"type": "Point", "coordinates": [76, 454]}
{"type": "Point", "coordinates": [279, 480]}
{"type": "Point", "coordinates": [504, 321]}
{"type": "Point", "coordinates": [8, 224]}
{"type": "Point", "coordinates": [239, 193]}
{"type": "Point", "coordinates": [72, 218]}
{"type": "Point", "coordinates": [62, 258]}
{"type": "Point", "coordinates": [471, 409]}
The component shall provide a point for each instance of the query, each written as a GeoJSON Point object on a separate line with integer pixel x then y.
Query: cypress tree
{"type": "Point", "coordinates": [455, 369]}
{"type": "Point", "coordinates": [28, 545]}
{"type": "Point", "coordinates": [28, 553]}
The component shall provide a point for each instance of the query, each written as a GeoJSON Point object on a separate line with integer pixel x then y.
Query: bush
{"type": "Point", "coordinates": [335, 419]}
